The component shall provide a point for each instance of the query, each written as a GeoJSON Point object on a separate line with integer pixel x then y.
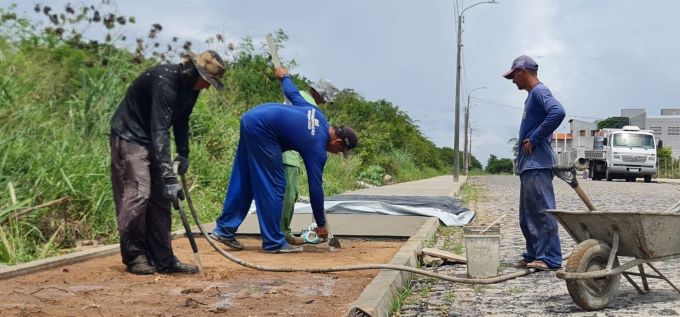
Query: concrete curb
{"type": "Point", "coordinates": [378, 296]}
{"type": "Point", "coordinates": [56, 261]}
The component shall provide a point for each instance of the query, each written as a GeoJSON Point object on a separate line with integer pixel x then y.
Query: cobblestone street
{"type": "Point", "coordinates": [543, 294]}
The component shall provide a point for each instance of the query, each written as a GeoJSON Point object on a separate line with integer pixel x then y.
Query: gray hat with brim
{"type": "Point", "coordinates": [325, 89]}
{"type": "Point", "coordinates": [211, 67]}
{"type": "Point", "coordinates": [521, 62]}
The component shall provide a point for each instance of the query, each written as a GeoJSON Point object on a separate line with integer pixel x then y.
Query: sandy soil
{"type": "Point", "coordinates": [101, 287]}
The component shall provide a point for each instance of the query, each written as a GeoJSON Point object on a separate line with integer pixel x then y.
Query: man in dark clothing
{"type": "Point", "coordinates": [542, 115]}
{"type": "Point", "coordinates": [258, 171]}
{"type": "Point", "coordinates": [144, 183]}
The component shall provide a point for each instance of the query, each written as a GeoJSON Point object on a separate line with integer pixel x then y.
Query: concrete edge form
{"type": "Point", "coordinates": [66, 259]}
{"type": "Point", "coordinates": [377, 297]}
{"type": "Point", "coordinates": [56, 261]}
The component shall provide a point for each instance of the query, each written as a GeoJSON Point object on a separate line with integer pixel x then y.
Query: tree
{"type": "Point", "coordinates": [499, 166]}
{"type": "Point", "coordinates": [613, 122]}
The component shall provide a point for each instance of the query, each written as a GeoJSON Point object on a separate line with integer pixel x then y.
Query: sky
{"type": "Point", "coordinates": [596, 56]}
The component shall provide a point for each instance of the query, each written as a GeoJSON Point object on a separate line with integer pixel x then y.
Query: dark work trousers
{"type": "Point", "coordinates": [143, 214]}
{"type": "Point", "coordinates": [538, 226]}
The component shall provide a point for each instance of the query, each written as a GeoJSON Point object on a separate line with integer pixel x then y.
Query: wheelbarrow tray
{"type": "Point", "coordinates": [642, 235]}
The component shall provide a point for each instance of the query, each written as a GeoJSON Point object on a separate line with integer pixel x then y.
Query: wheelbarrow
{"type": "Point", "coordinates": [593, 270]}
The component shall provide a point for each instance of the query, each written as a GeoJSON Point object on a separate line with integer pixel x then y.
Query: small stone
{"type": "Point", "coordinates": [432, 261]}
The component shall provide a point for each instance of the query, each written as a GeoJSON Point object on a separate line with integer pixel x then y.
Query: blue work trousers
{"type": "Point", "coordinates": [538, 226]}
{"type": "Point", "coordinates": [257, 173]}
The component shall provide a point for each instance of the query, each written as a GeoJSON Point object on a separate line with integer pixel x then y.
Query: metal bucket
{"type": "Point", "coordinates": [482, 250]}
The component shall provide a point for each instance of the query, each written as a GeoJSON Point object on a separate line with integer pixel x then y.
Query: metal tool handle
{"type": "Point", "coordinates": [187, 228]}
{"type": "Point", "coordinates": [273, 50]}
{"type": "Point", "coordinates": [185, 222]}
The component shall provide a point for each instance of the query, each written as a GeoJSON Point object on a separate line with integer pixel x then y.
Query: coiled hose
{"type": "Point", "coordinates": [358, 267]}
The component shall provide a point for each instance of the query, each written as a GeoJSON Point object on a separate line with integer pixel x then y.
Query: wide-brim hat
{"type": "Point", "coordinates": [210, 66]}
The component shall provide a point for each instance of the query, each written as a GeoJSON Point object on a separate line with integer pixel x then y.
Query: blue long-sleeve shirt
{"type": "Point", "coordinates": [302, 128]}
{"type": "Point", "coordinates": [542, 115]}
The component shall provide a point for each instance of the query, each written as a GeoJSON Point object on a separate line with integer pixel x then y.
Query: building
{"type": "Point", "coordinates": [580, 137]}
{"type": "Point", "coordinates": [666, 127]}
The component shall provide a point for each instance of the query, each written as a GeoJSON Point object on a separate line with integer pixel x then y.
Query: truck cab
{"type": "Point", "coordinates": [629, 153]}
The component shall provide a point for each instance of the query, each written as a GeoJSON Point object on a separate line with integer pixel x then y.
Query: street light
{"type": "Point", "coordinates": [456, 132]}
{"type": "Point", "coordinates": [466, 155]}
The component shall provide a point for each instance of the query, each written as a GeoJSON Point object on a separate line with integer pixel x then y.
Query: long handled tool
{"type": "Point", "coordinates": [189, 233]}
{"type": "Point", "coordinates": [273, 50]}
{"type": "Point", "coordinates": [333, 241]}
{"type": "Point", "coordinates": [568, 174]}
{"type": "Point", "coordinates": [185, 222]}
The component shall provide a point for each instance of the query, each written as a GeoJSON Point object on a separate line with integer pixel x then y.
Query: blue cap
{"type": "Point", "coordinates": [523, 61]}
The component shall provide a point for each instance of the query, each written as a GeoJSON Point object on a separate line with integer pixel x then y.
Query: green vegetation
{"type": "Point", "coordinates": [58, 90]}
{"type": "Point", "coordinates": [613, 122]}
{"type": "Point", "coordinates": [451, 239]}
{"type": "Point", "coordinates": [499, 166]}
{"type": "Point", "coordinates": [471, 193]}
{"type": "Point", "coordinates": [669, 167]}
{"type": "Point", "coordinates": [403, 297]}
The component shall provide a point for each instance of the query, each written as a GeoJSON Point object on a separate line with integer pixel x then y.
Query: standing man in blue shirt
{"type": "Point", "coordinates": [542, 115]}
{"type": "Point", "coordinates": [267, 131]}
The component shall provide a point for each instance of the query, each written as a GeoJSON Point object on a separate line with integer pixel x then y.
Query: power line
{"type": "Point", "coordinates": [494, 103]}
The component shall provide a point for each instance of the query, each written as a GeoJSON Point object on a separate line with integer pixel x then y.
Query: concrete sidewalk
{"type": "Point", "coordinates": [435, 186]}
{"type": "Point", "coordinates": [373, 225]}
{"type": "Point", "coordinates": [668, 180]}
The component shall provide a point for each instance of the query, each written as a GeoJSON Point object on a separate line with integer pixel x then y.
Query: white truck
{"type": "Point", "coordinates": [626, 153]}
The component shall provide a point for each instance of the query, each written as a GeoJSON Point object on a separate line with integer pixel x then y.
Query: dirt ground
{"type": "Point", "coordinates": [101, 287]}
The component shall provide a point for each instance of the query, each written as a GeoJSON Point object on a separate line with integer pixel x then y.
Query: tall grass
{"type": "Point", "coordinates": [56, 100]}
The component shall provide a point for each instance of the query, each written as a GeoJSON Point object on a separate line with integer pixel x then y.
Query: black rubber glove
{"type": "Point", "coordinates": [183, 164]}
{"type": "Point", "coordinates": [173, 191]}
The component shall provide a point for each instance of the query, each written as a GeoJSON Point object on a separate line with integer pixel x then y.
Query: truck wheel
{"type": "Point", "coordinates": [648, 178]}
{"type": "Point", "coordinates": [596, 293]}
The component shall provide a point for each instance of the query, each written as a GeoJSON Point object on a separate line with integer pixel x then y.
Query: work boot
{"type": "Point", "coordinates": [141, 266]}
{"type": "Point", "coordinates": [230, 242]}
{"type": "Point", "coordinates": [286, 248]}
{"type": "Point", "coordinates": [293, 240]}
{"type": "Point", "coordinates": [179, 267]}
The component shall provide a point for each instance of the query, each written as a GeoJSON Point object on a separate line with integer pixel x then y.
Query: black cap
{"type": "Point", "coordinates": [348, 136]}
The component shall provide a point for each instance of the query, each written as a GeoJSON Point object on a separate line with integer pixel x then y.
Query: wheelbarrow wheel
{"type": "Point", "coordinates": [596, 293]}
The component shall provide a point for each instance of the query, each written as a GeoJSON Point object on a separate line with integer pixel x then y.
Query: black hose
{"type": "Point", "coordinates": [247, 264]}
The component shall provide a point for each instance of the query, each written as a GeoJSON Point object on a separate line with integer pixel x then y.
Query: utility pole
{"type": "Point", "coordinates": [470, 149]}
{"type": "Point", "coordinates": [456, 132]}
{"type": "Point", "coordinates": [466, 155]}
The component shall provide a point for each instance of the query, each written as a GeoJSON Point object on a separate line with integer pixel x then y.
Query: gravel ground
{"type": "Point", "coordinates": [543, 294]}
